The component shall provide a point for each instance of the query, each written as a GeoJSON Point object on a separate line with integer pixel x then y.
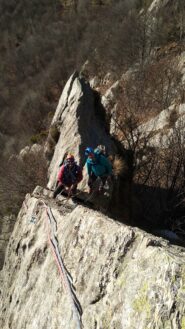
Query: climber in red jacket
{"type": "Point", "coordinates": [69, 176]}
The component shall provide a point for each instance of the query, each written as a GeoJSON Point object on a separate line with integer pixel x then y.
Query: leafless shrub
{"type": "Point", "coordinates": [169, 175]}
{"type": "Point", "coordinates": [114, 37]}
{"type": "Point", "coordinates": [171, 23]}
{"type": "Point", "coordinates": [22, 176]}
{"type": "Point", "coordinates": [161, 169]}
{"type": "Point", "coordinates": [151, 89]}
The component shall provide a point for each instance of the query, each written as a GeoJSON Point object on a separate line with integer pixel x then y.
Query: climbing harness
{"type": "Point", "coordinates": [66, 277]}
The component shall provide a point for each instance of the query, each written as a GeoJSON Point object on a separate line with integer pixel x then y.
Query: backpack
{"type": "Point", "coordinates": [101, 149]}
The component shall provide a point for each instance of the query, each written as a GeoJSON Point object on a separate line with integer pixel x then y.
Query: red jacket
{"type": "Point", "coordinates": [69, 176]}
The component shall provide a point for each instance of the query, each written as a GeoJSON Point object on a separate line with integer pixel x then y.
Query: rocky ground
{"type": "Point", "coordinates": [123, 277]}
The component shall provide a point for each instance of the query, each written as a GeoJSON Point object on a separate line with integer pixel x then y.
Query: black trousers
{"type": "Point", "coordinates": [61, 187]}
{"type": "Point", "coordinates": [58, 190]}
{"type": "Point", "coordinates": [93, 178]}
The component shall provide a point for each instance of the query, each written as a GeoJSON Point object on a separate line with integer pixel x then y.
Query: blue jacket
{"type": "Point", "coordinates": [100, 166]}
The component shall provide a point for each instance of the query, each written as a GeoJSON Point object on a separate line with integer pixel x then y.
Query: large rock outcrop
{"type": "Point", "coordinates": [79, 118]}
{"type": "Point", "coordinates": [124, 278]}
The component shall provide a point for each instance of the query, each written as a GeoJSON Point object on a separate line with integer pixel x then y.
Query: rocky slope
{"type": "Point", "coordinates": [123, 277]}
{"type": "Point", "coordinates": [63, 257]}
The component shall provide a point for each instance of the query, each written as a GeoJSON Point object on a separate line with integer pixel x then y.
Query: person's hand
{"type": "Point", "coordinates": [90, 180]}
{"type": "Point", "coordinates": [109, 179]}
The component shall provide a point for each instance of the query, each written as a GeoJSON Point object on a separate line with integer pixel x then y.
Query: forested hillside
{"type": "Point", "coordinates": [42, 44]}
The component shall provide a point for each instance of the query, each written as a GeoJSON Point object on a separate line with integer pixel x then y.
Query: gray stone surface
{"type": "Point", "coordinates": [80, 124]}
{"type": "Point", "coordinates": [124, 277]}
{"type": "Point", "coordinates": [110, 96]}
{"type": "Point", "coordinates": [160, 126]}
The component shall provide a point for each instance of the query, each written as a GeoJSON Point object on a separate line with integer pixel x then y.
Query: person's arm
{"type": "Point", "coordinates": [89, 169]}
{"type": "Point", "coordinates": [61, 174]}
{"type": "Point", "coordinates": [80, 175]}
{"type": "Point", "coordinates": [106, 163]}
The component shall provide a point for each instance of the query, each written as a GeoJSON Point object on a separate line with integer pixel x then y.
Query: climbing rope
{"type": "Point", "coordinates": [66, 277]}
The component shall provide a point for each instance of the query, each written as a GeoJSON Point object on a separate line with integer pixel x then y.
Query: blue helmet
{"type": "Point", "coordinates": [89, 150]}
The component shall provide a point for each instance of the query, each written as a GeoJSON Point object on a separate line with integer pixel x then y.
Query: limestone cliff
{"type": "Point", "coordinates": [79, 122]}
{"type": "Point", "coordinates": [123, 277]}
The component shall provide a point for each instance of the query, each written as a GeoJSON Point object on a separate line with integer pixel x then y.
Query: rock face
{"type": "Point", "coordinates": [79, 118]}
{"type": "Point", "coordinates": [124, 278]}
{"type": "Point", "coordinates": [109, 101]}
{"type": "Point", "coordinates": [162, 126]}
{"type": "Point", "coordinates": [6, 227]}
{"type": "Point", "coordinates": [35, 148]}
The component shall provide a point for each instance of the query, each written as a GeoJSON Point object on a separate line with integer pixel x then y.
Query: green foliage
{"type": "Point", "coordinates": [54, 133]}
{"type": "Point", "coordinates": [39, 138]}
{"type": "Point", "coordinates": [34, 139]}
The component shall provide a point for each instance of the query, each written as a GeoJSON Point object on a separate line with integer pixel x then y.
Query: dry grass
{"type": "Point", "coordinates": [22, 176]}
{"type": "Point", "coordinates": [119, 166]}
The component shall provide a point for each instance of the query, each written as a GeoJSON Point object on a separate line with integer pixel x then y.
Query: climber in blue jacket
{"type": "Point", "coordinates": [98, 165]}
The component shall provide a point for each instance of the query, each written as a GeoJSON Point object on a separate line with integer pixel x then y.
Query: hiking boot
{"type": "Point", "coordinates": [54, 195]}
{"type": "Point", "coordinates": [74, 199]}
{"type": "Point", "coordinates": [101, 189]}
{"type": "Point", "coordinates": [90, 190]}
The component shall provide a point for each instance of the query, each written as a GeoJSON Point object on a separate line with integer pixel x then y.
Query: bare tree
{"type": "Point", "coordinates": [18, 176]}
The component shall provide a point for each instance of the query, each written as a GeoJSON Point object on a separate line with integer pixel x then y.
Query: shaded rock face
{"type": "Point", "coordinates": [124, 278]}
{"type": "Point", "coordinates": [80, 124]}
{"type": "Point", "coordinates": [80, 120]}
{"type": "Point", "coordinates": [6, 227]}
